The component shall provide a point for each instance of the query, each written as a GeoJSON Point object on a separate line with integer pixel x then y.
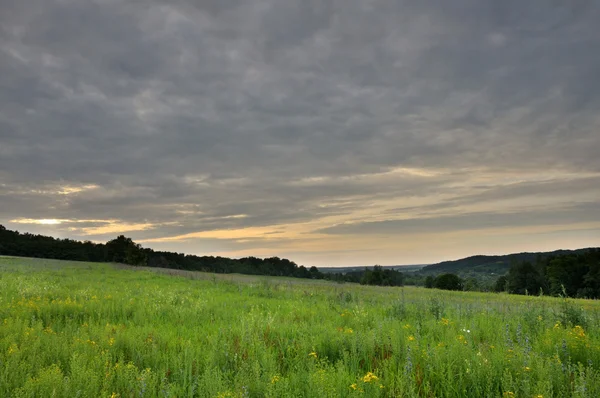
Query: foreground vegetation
{"type": "Point", "coordinates": [72, 329]}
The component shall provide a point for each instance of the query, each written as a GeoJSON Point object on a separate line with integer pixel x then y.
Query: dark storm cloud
{"type": "Point", "coordinates": [183, 114]}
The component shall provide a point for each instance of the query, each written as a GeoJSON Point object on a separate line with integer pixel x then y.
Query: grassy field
{"type": "Point", "coordinates": [97, 330]}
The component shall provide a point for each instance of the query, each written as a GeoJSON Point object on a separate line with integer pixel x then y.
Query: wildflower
{"type": "Point", "coordinates": [539, 396]}
{"type": "Point", "coordinates": [407, 326]}
{"type": "Point", "coordinates": [349, 331]}
{"type": "Point", "coordinates": [381, 386]}
{"type": "Point", "coordinates": [411, 338]}
{"type": "Point", "coordinates": [369, 377]}
{"type": "Point", "coordinates": [111, 341]}
{"type": "Point", "coordinates": [578, 331]}
{"type": "Point", "coordinates": [13, 348]}
{"type": "Point", "coordinates": [275, 379]}
{"type": "Point", "coordinates": [445, 321]}
{"type": "Point", "coordinates": [114, 395]}
{"type": "Point", "coordinates": [466, 330]}
{"type": "Point", "coordinates": [353, 386]}
{"type": "Point", "coordinates": [527, 368]}
{"type": "Point", "coordinates": [313, 354]}
{"type": "Point", "coordinates": [508, 394]}
{"type": "Point", "coordinates": [557, 325]}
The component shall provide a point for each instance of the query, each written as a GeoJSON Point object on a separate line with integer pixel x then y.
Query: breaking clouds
{"type": "Point", "coordinates": [337, 132]}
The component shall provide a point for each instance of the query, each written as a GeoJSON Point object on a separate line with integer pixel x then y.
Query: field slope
{"type": "Point", "coordinates": [72, 329]}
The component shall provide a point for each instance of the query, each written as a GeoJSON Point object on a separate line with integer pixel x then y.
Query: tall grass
{"type": "Point", "coordinates": [91, 330]}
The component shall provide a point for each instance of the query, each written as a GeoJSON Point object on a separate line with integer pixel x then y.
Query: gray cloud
{"type": "Point", "coordinates": [584, 212]}
{"type": "Point", "coordinates": [185, 113]}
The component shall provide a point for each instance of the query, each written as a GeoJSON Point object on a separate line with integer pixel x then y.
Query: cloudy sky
{"type": "Point", "coordinates": [330, 132]}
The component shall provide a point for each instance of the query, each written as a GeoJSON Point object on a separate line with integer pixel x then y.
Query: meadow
{"type": "Point", "coordinates": [72, 329]}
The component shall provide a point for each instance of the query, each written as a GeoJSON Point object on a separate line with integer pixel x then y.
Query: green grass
{"type": "Point", "coordinates": [71, 329]}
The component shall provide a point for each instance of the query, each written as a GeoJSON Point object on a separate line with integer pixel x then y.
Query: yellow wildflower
{"type": "Point", "coordinates": [445, 321]}
{"type": "Point", "coordinates": [557, 325]}
{"type": "Point", "coordinates": [353, 386]}
{"type": "Point", "coordinates": [370, 377]}
{"type": "Point", "coordinates": [13, 348]}
{"type": "Point", "coordinates": [411, 338]}
{"type": "Point", "coordinates": [313, 354]}
{"type": "Point", "coordinates": [578, 331]}
{"type": "Point", "coordinates": [508, 394]}
{"type": "Point", "coordinates": [275, 379]}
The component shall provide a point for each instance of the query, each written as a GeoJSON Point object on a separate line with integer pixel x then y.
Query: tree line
{"type": "Point", "coordinates": [124, 250]}
{"type": "Point", "coordinates": [572, 275]}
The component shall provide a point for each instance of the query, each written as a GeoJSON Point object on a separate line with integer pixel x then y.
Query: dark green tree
{"type": "Point", "coordinates": [124, 250]}
{"type": "Point", "coordinates": [501, 284]}
{"type": "Point", "coordinates": [524, 278]}
{"type": "Point", "coordinates": [448, 282]}
{"type": "Point", "coordinates": [429, 281]}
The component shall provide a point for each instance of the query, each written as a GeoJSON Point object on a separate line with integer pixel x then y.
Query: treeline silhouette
{"type": "Point", "coordinates": [573, 275]}
{"type": "Point", "coordinates": [125, 250]}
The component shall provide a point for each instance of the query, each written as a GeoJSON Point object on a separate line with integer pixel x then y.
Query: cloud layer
{"type": "Point", "coordinates": [332, 132]}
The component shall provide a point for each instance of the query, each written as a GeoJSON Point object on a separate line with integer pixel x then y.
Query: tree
{"type": "Point", "coordinates": [429, 281]}
{"type": "Point", "coordinates": [125, 250]}
{"type": "Point", "coordinates": [448, 282]}
{"type": "Point", "coordinates": [500, 285]}
{"type": "Point", "coordinates": [314, 273]}
{"type": "Point", "coordinates": [524, 278]}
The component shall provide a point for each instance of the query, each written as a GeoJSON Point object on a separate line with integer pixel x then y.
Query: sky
{"type": "Point", "coordinates": [329, 132]}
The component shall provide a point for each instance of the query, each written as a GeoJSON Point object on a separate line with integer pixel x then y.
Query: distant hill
{"type": "Point", "coordinates": [482, 264]}
{"type": "Point", "coordinates": [344, 270]}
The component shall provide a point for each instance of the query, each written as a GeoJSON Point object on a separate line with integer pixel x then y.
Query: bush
{"type": "Point", "coordinates": [448, 282]}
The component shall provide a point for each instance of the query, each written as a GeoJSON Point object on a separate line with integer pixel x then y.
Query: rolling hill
{"type": "Point", "coordinates": [492, 265]}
